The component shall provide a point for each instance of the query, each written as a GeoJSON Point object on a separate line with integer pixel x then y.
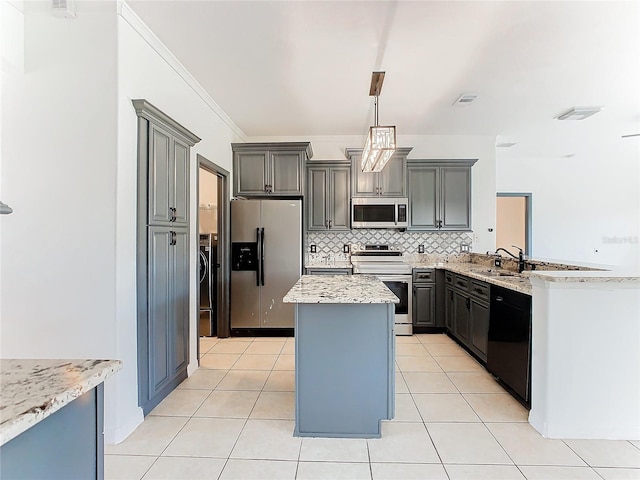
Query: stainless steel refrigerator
{"type": "Point", "coordinates": [266, 260]}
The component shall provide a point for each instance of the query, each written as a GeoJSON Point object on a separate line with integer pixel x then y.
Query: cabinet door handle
{"type": "Point", "coordinates": [173, 214]}
{"type": "Point", "coordinates": [329, 223]}
{"type": "Point", "coordinates": [174, 238]}
{"type": "Point", "coordinates": [326, 224]}
{"type": "Point", "coordinates": [478, 290]}
{"type": "Point", "coordinates": [499, 299]}
{"type": "Point", "coordinates": [468, 302]}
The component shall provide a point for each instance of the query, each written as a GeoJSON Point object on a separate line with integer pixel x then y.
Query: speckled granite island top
{"type": "Point", "coordinates": [32, 390]}
{"type": "Point", "coordinates": [339, 289]}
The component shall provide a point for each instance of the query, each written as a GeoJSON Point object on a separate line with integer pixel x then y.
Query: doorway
{"type": "Point", "coordinates": [213, 230]}
{"type": "Point", "coordinates": [513, 222]}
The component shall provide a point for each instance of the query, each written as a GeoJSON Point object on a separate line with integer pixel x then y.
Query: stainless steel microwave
{"type": "Point", "coordinates": [377, 212]}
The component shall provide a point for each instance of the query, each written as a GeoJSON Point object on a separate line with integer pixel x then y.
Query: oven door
{"type": "Point", "coordinates": [400, 285]}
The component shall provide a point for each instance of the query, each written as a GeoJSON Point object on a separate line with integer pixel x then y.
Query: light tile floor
{"type": "Point", "coordinates": [233, 419]}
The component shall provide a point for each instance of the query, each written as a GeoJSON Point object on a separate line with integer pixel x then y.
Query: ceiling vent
{"type": "Point", "coordinates": [64, 8]}
{"type": "Point", "coordinates": [465, 99]}
{"type": "Point", "coordinates": [579, 113]}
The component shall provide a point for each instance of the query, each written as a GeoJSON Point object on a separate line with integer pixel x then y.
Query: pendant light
{"type": "Point", "coordinates": [381, 141]}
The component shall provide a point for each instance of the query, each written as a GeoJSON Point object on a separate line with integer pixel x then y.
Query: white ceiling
{"type": "Point", "coordinates": [303, 68]}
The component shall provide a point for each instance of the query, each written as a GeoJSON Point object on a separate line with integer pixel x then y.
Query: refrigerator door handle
{"type": "Point", "coordinates": [258, 259]}
{"type": "Point", "coordinates": [262, 256]}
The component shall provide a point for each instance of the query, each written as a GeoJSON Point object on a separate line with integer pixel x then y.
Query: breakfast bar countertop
{"type": "Point", "coordinates": [32, 390]}
{"type": "Point", "coordinates": [339, 289]}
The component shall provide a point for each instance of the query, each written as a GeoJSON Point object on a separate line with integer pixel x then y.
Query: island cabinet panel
{"type": "Point", "coordinates": [390, 182]}
{"type": "Point", "coordinates": [329, 195]}
{"type": "Point", "coordinates": [479, 320]}
{"type": "Point", "coordinates": [69, 444]}
{"type": "Point", "coordinates": [439, 194]}
{"type": "Point", "coordinates": [345, 375]}
{"type": "Point", "coordinates": [461, 317]}
{"type": "Point", "coordinates": [264, 169]}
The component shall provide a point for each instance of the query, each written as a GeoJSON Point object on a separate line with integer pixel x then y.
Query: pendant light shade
{"type": "Point", "coordinates": [381, 141]}
{"type": "Point", "coordinates": [378, 148]}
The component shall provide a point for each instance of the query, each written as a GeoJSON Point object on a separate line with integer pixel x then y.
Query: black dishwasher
{"type": "Point", "coordinates": [509, 343]}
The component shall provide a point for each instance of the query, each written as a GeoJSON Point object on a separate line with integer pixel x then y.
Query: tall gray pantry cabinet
{"type": "Point", "coordinates": [163, 253]}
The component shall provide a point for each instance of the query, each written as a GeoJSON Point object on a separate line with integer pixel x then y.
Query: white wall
{"type": "Point", "coordinates": [586, 208]}
{"type": "Point", "coordinates": [483, 176]}
{"type": "Point", "coordinates": [59, 175]}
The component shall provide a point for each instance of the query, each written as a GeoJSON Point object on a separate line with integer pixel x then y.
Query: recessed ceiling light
{"type": "Point", "coordinates": [579, 113]}
{"type": "Point", "coordinates": [506, 144]}
{"type": "Point", "coordinates": [631, 135]}
{"type": "Point", "coordinates": [465, 99]}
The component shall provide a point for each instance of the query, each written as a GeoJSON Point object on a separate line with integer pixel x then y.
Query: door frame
{"type": "Point", "coordinates": [528, 217]}
{"type": "Point", "coordinates": [222, 309]}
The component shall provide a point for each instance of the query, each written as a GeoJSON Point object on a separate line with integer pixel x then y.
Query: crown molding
{"type": "Point", "coordinates": [129, 16]}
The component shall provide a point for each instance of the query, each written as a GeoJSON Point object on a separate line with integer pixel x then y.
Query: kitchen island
{"type": "Point", "coordinates": [345, 354]}
{"type": "Point", "coordinates": [51, 418]}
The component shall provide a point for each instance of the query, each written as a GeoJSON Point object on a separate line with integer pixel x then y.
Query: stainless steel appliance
{"type": "Point", "coordinates": [377, 212]}
{"type": "Point", "coordinates": [208, 274]}
{"type": "Point", "coordinates": [266, 260]}
{"type": "Point", "coordinates": [389, 266]}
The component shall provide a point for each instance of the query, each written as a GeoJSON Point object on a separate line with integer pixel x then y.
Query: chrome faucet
{"type": "Point", "coordinates": [520, 257]}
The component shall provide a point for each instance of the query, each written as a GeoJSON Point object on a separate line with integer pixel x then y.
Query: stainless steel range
{"type": "Point", "coordinates": [388, 265]}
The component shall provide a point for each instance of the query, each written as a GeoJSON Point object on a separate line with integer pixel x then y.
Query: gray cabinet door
{"type": "Point", "coordinates": [179, 188]}
{"type": "Point", "coordinates": [339, 198]}
{"type": "Point", "coordinates": [461, 318]}
{"type": "Point", "coordinates": [285, 173]}
{"type": "Point", "coordinates": [392, 178]}
{"type": "Point", "coordinates": [160, 175]}
{"type": "Point", "coordinates": [250, 173]}
{"type": "Point", "coordinates": [424, 305]}
{"type": "Point", "coordinates": [449, 309]}
{"type": "Point", "coordinates": [423, 197]}
{"type": "Point", "coordinates": [455, 198]}
{"type": "Point", "coordinates": [479, 319]}
{"type": "Point", "coordinates": [159, 308]}
{"type": "Point", "coordinates": [318, 198]}
{"type": "Point", "coordinates": [179, 340]}
{"type": "Point", "coordinates": [365, 184]}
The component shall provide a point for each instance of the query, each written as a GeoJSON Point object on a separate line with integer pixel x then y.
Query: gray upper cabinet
{"type": "Point", "coordinates": [390, 182]}
{"type": "Point", "coordinates": [262, 169]}
{"type": "Point", "coordinates": [328, 196]}
{"type": "Point", "coordinates": [168, 200]}
{"type": "Point", "coordinates": [439, 194]}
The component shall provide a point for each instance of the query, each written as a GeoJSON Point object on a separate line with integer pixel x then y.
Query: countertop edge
{"type": "Point", "coordinates": [21, 423]}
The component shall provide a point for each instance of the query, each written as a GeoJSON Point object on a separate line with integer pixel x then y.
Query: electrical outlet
{"type": "Point", "coordinates": [464, 247]}
{"type": "Point", "coordinates": [497, 262]}
{"type": "Point", "coordinates": [345, 248]}
{"type": "Point", "coordinates": [312, 248]}
{"type": "Point", "coordinates": [420, 248]}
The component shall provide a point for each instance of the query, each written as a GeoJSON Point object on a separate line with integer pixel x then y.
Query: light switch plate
{"type": "Point", "coordinates": [345, 248]}
{"type": "Point", "coordinates": [312, 248]}
{"type": "Point", "coordinates": [420, 248]}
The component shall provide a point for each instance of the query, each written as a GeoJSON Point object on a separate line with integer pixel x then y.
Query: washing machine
{"type": "Point", "coordinates": [208, 275]}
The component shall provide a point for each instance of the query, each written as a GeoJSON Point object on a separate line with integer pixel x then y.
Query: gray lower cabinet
{"type": "Point", "coordinates": [261, 169]}
{"type": "Point", "coordinates": [467, 312]}
{"type": "Point", "coordinates": [390, 182]}
{"type": "Point", "coordinates": [167, 270]}
{"type": "Point", "coordinates": [439, 194]}
{"type": "Point", "coordinates": [328, 196]}
{"type": "Point", "coordinates": [163, 253]}
{"type": "Point", "coordinates": [424, 298]}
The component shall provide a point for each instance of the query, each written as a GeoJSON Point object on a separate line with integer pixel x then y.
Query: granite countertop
{"type": "Point", "coordinates": [586, 277]}
{"type": "Point", "coordinates": [34, 389]}
{"type": "Point", "coordinates": [339, 289]}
